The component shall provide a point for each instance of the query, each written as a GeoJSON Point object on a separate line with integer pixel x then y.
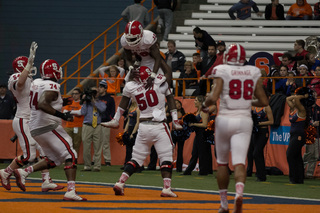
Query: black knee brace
{"type": "Point", "coordinates": [166, 166]}
{"type": "Point", "coordinates": [131, 167]}
{"type": "Point", "coordinates": [73, 165]}
{"type": "Point", "coordinates": [50, 163]}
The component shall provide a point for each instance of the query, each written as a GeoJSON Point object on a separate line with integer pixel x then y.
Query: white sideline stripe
{"type": "Point", "coordinates": [182, 189]}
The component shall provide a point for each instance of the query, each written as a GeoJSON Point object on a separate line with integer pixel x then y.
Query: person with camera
{"type": "Point", "coordinates": [92, 109]}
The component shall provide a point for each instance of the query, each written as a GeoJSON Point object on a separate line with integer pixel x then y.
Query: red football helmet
{"type": "Point", "coordinates": [235, 55]}
{"type": "Point", "coordinates": [19, 64]}
{"type": "Point", "coordinates": [144, 74]}
{"type": "Point", "coordinates": [50, 69]}
{"type": "Point", "coordinates": [133, 33]}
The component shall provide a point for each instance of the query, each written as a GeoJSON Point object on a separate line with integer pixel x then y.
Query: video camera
{"type": "Point", "coordinates": [89, 95]}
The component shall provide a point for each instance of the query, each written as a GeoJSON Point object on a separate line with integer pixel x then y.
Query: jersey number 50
{"type": "Point", "coordinates": [150, 101]}
{"type": "Point", "coordinates": [237, 89]}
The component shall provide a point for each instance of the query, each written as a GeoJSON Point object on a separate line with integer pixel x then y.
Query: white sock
{"type": "Point", "coordinates": [223, 198]}
{"type": "Point", "coordinates": [118, 114]}
{"type": "Point", "coordinates": [239, 189]}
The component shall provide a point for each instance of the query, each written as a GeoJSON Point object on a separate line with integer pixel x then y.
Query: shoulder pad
{"type": "Point", "coordinates": [160, 79]}
{"type": "Point", "coordinates": [149, 38]}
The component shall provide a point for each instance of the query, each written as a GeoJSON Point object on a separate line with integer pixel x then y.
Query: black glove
{"type": "Point", "coordinates": [67, 101]}
{"type": "Point", "coordinates": [65, 116]}
{"type": "Point", "coordinates": [149, 84]}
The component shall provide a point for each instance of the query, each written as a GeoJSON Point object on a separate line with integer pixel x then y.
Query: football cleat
{"type": "Point", "coordinates": [73, 196]}
{"type": "Point", "coordinates": [5, 179]}
{"type": "Point", "coordinates": [168, 193]}
{"type": "Point", "coordinates": [222, 210]}
{"type": "Point", "coordinates": [21, 176]}
{"type": "Point", "coordinates": [176, 125]}
{"type": "Point", "coordinates": [118, 188]}
{"type": "Point", "coordinates": [48, 185]}
{"type": "Point", "coordinates": [111, 124]}
{"type": "Point", "coordinates": [237, 205]}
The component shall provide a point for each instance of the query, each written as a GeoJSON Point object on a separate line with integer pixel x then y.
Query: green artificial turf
{"type": "Point", "coordinates": [275, 185]}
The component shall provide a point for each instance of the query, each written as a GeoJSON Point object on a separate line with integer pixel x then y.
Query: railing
{"type": "Point", "coordinates": [77, 58]}
{"type": "Point", "coordinates": [175, 89]}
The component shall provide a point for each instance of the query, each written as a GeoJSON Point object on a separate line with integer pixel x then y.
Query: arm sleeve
{"type": "Point", "coordinates": [316, 9]}
{"type": "Point", "coordinates": [231, 12]}
{"type": "Point", "coordinates": [102, 71]}
{"type": "Point", "coordinates": [124, 15]}
{"type": "Point", "coordinates": [255, 7]}
{"type": "Point", "coordinates": [101, 106]}
{"type": "Point", "coordinates": [181, 61]}
{"type": "Point", "coordinates": [267, 12]}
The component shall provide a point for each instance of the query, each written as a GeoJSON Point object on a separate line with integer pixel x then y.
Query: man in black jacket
{"type": "Point", "coordinates": [174, 58]}
{"type": "Point", "coordinates": [203, 40]}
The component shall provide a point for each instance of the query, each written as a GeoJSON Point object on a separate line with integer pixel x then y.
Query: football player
{"type": "Point", "coordinates": [45, 128]}
{"type": "Point", "coordinates": [235, 84]}
{"type": "Point", "coordinates": [142, 43]}
{"type": "Point", "coordinates": [19, 84]}
{"type": "Point", "coordinates": [153, 129]}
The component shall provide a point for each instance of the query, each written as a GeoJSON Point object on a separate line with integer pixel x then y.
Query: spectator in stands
{"type": "Point", "coordinates": [203, 40]}
{"type": "Point", "coordinates": [301, 10]}
{"type": "Point", "coordinates": [165, 10]}
{"type": "Point", "coordinates": [291, 85]}
{"type": "Point", "coordinates": [7, 103]}
{"type": "Point", "coordinates": [206, 64]}
{"type": "Point", "coordinates": [74, 128]}
{"type": "Point", "coordinates": [274, 11]}
{"type": "Point", "coordinates": [243, 10]}
{"type": "Point", "coordinates": [315, 82]}
{"type": "Point", "coordinates": [106, 116]}
{"type": "Point", "coordinates": [136, 12]}
{"type": "Point", "coordinates": [189, 72]}
{"type": "Point", "coordinates": [299, 46]}
{"type": "Point", "coordinates": [280, 85]}
{"type": "Point", "coordinates": [221, 47]}
{"type": "Point", "coordinates": [286, 59]}
{"type": "Point", "coordinates": [311, 155]}
{"type": "Point", "coordinates": [303, 72]}
{"type": "Point", "coordinates": [196, 61]}
{"type": "Point", "coordinates": [316, 11]}
{"type": "Point", "coordinates": [312, 62]}
{"type": "Point", "coordinates": [174, 58]}
{"type": "Point", "coordinates": [112, 74]}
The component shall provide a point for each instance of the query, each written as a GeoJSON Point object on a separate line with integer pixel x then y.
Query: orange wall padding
{"type": "Point", "coordinates": [275, 155]}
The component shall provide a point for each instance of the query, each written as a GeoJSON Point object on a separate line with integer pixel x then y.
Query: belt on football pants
{"type": "Point", "coordinates": [151, 122]}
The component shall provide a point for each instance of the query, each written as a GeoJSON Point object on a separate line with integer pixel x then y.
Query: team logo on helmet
{"type": "Point", "coordinates": [19, 64]}
{"type": "Point", "coordinates": [133, 33]}
{"type": "Point", "coordinates": [50, 69]}
{"type": "Point", "coordinates": [144, 74]}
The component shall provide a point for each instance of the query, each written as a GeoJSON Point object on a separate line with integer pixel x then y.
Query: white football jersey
{"type": "Point", "coordinates": [39, 118]}
{"type": "Point", "coordinates": [143, 48]}
{"type": "Point", "coordinates": [22, 96]}
{"type": "Point", "coordinates": [239, 83]}
{"type": "Point", "coordinates": [151, 102]}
